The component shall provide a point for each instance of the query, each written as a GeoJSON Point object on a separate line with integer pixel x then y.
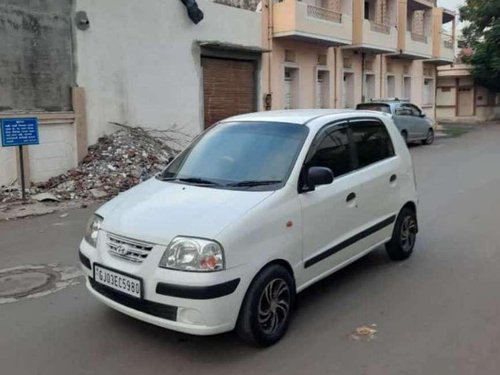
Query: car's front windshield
{"type": "Point", "coordinates": [240, 155]}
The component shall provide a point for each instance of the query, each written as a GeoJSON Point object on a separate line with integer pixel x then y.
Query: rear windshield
{"type": "Point", "coordinates": [378, 107]}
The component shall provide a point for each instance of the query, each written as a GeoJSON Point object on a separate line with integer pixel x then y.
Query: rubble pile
{"type": "Point", "coordinates": [114, 164]}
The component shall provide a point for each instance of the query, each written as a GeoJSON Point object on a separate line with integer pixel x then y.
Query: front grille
{"type": "Point", "coordinates": [128, 249]}
{"type": "Point", "coordinates": [152, 308]}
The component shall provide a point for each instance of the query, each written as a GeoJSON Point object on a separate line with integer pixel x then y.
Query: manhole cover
{"type": "Point", "coordinates": [18, 284]}
{"type": "Point", "coordinates": [35, 280]}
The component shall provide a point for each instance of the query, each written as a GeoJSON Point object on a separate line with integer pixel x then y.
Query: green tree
{"type": "Point", "coordinates": [482, 34]}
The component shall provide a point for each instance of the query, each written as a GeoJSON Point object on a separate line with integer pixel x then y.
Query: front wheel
{"type": "Point", "coordinates": [267, 308]}
{"type": "Point", "coordinates": [429, 139]}
{"type": "Point", "coordinates": [403, 236]}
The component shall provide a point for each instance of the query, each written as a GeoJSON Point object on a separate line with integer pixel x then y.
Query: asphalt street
{"type": "Point", "coordinates": [436, 313]}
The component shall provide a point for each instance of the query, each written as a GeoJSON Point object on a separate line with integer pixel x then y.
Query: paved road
{"type": "Point", "coordinates": [438, 313]}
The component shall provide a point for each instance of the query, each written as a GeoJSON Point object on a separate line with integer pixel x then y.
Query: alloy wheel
{"type": "Point", "coordinates": [274, 306]}
{"type": "Point", "coordinates": [408, 233]}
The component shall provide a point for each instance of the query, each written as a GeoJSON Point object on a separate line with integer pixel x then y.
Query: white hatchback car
{"type": "Point", "coordinates": [254, 211]}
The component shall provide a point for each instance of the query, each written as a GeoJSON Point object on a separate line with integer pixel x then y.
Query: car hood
{"type": "Point", "coordinates": [157, 211]}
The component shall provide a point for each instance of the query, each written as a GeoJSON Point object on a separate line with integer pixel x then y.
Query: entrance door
{"type": "Point", "coordinates": [407, 88]}
{"type": "Point", "coordinates": [228, 88]}
{"type": "Point", "coordinates": [348, 90]}
{"type": "Point", "coordinates": [290, 88]}
{"type": "Point", "coordinates": [465, 101]}
{"type": "Point", "coordinates": [369, 87]}
{"type": "Point", "coordinates": [322, 83]}
{"type": "Point", "coordinates": [391, 86]}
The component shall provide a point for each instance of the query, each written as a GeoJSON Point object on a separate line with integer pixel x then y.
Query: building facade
{"type": "Point", "coordinates": [122, 61]}
{"type": "Point", "coordinates": [80, 64]}
{"type": "Point", "coordinates": [459, 99]}
{"type": "Point", "coordinates": [337, 53]}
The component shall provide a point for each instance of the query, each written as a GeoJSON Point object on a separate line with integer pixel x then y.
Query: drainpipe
{"type": "Point", "coordinates": [381, 76]}
{"type": "Point", "coordinates": [363, 96]}
{"type": "Point", "coordinates": [269, 47]}
{"type": "Point", "coordinates": [335, 76]}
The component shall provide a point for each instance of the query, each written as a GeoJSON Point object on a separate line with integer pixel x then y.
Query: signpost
{"type": "Point", "coordinates": [20, 132]}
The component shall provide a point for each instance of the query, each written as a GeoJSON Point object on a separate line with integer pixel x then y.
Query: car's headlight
{"type": "Point", "coordinates": [92, 230]}
{"type": "Point", "coordinates": [193, 254]}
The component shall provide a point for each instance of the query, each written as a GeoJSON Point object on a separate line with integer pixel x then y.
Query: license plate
{"type": "Point", "coordinates": [118, 281]}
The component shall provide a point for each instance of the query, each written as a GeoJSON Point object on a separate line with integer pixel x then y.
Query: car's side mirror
{"type": "Point", "coordinates": [319, 176]}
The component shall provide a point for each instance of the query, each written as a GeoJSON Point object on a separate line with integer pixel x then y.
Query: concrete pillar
{"type": "Point", "coordinates": [402, 14]}
{"type": "Point", "coordinates": [80, 109]}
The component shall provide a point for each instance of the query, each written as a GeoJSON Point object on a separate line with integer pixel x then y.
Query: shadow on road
{"type": "Point", "coordinates": [315, 301]}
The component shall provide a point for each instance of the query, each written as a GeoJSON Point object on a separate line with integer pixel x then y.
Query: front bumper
{"type": "Point", "coordinates": [193, 303]}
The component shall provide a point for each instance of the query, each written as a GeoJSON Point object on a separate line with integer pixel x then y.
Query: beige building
{"type": "Point", "coordinates": [459, 99]}
{"type": "Point", "coordinates": [337, 53]}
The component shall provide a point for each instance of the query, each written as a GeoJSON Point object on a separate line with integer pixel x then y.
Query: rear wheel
{"type": "Point", "coordinates": [403, 236]}
{"type": "Point", "coordinates": [266, 311]}
{"type": "Point", "coordinates": [429, 139]}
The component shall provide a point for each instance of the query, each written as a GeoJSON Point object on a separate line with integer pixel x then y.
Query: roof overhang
{"type": "Point", "coordinates": [414, 5]}
{"type": "Point", "coordinates": [439, 61]}
{"type": "Point", "coordinates": [408, 55]}
{"type": "Point", "coordinates": [370, 48]}
{"type": "Point", "coordinates": [448, 15]}
{"type": "Point", "coordinates": [231, 47]}
{"type": "Point", "coordinates": [312, 38]}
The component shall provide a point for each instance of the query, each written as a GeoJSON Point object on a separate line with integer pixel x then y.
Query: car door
{"type": "Point", "coordinates": [420, 123]}
{"type": "Point", "coordinates": [400, 118]}
{"type": "Point", "coordinates": [411, 117]}
{"type": "Point", "coordinates": [378, 183]}
{"type": "Point", "coordinates": [416, 123]}
{"type": "Point", "coordinates": [330, 213]}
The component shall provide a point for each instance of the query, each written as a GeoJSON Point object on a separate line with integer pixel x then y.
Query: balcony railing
{"type": "Point", "coordinates": [418, 38]}
{"type": "Point", "coordinates": [323, 14]}
{"type": "Point", "coordinates": [447, 40]}
{"type": "Point", "coordinates": [380, 27]}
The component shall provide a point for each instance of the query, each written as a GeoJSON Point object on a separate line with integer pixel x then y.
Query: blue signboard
{"type": "Point", "coordinates": [19, 131]}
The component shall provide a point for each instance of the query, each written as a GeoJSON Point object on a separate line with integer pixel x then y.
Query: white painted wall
{"type": "Point", "coordinates": [8, 165]}
{"type": "Point", "coordinates": [56, 152]}
{"type": "Point", "coordinates": [139, 62]}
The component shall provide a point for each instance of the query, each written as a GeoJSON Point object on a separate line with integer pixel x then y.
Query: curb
{"type": "Point", "coordinates": [17, 210]}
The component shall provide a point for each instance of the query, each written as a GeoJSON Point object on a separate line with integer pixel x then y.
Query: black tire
{"type": "Point", "coordinates": [264, 318]}
{"type": "Point", "coordinates": [429, 138]}
{"type": "Point", "coordinates": [401, 245]}
{"type": "Point", "coordinates": [404, 134]}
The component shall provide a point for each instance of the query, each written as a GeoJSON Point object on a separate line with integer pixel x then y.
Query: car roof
{"type": "Point", "coordinates": [297, 116]}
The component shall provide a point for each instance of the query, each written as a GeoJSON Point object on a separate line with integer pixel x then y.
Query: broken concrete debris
{"type": "Point", "coordinates": [366, 333]}
{"type": "Point", "coordinates": [114, 164]}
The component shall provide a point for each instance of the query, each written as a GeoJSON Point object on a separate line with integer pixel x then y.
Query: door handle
{"type": "Point", "coordinates": [350, 197]}
{"type": "Point", "coordinates": [393, 178]}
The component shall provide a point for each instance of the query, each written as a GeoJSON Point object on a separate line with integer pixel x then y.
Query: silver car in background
{"type": "Point", "coordinates": [413, 124]}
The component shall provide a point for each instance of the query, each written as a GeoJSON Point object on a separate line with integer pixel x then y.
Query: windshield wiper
{"type": "Point", "coordinates": [251, 183]}
{"type": "Point", "coordinates": [196, 180]}
{"type": "Point", "coordinates": [191, 180]}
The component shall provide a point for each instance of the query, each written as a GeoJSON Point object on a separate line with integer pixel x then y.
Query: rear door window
{"type": "Point", "coordinates": [412, 110]}
{"type": "Point", "coordinates": [371, 142]}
